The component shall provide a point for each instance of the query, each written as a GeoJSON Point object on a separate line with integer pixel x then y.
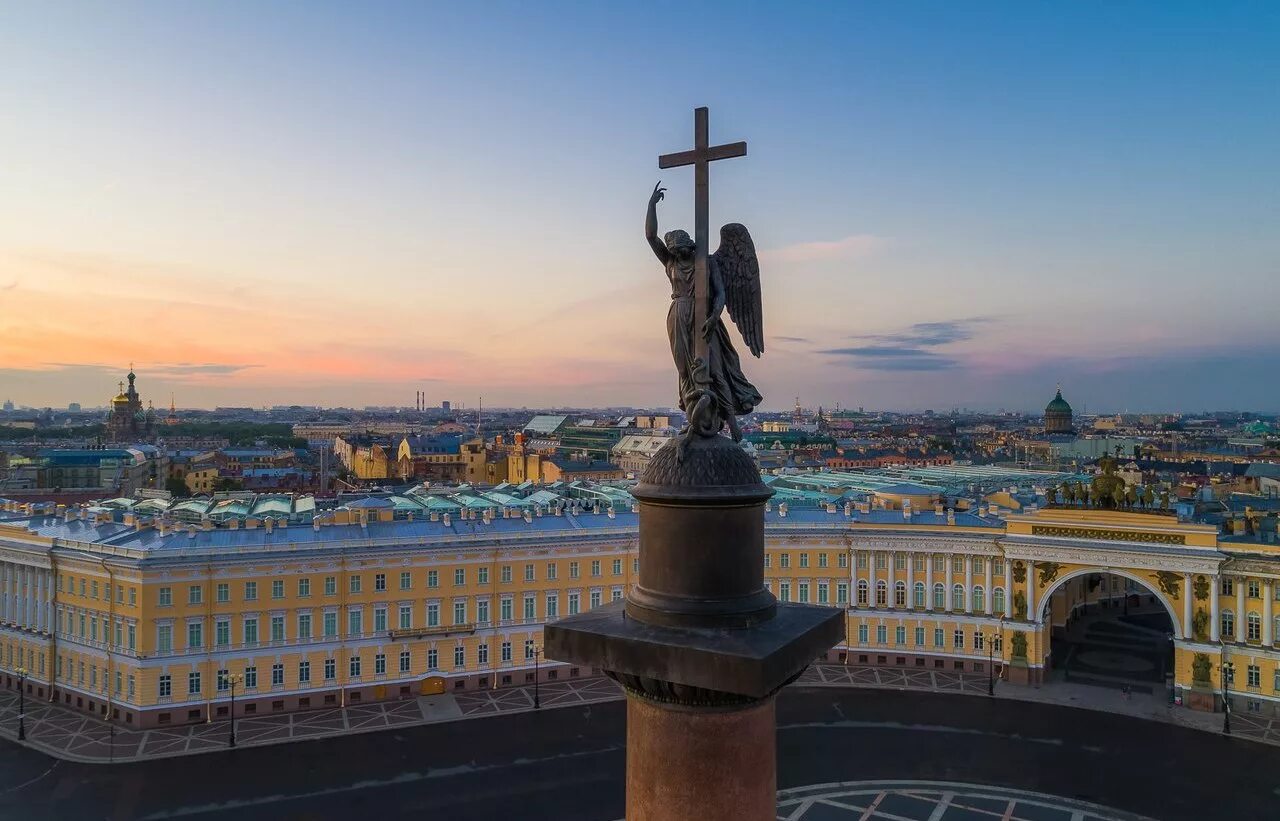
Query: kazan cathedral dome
{"type": "Point", "coordinates": [1057, 416]}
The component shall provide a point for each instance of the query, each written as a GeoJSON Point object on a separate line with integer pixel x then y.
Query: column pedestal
{"type": "Point", "coordinates": [712, 765]}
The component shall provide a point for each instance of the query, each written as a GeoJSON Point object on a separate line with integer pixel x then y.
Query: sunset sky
{"type": "Point", "coordinates": [957, 204]}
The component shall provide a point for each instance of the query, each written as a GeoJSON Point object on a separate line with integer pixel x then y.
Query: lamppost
{"type": "Point", "coordinates": [22, 703]}
{"type": "Point", "coordinates": [1228, 672]}
{"type": "Point", "coordinates": [537, 702]}
{"type": "Point", "coordinates": [991, 664]}
{"type": "Point", "coordinates": [232, 680]}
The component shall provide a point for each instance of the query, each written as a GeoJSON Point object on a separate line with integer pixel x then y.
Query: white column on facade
{"type": "Point", "coordinates": [928, 581]}
{"type": "Point", "coordinates": [947, 579]}
{"type": "Point", "coordinates": [48, 601]}
{"type": "Point", "coordinates": [968, 584]}
{"type": "Point", "coordinates": [990, 593]}
{"type": "Point", "coordinates": [28, 583]}
{"type": "Point", "coordinates": [1008, 589]}
{"type": "Point", "coordinates": [1031, 592]}
{"type": "Point", "coordinates": [1267, 638]}
{"type": "Point", "coordinates": [4, 590]}
{"type": "Point", "coordinates": [1242, 623]}
{"type": "Point", "coordinates": [889, 563]}
{"type": "Point", "coordinates": [911, 580]}
{"type": "Point", "coordinates": [1214, 617]}
{"type": "Point", "coordinates": [37, 601]}
{"type": "Point", "coordinates": [1186, 605]}
{"type": "Point", "coordinates": [871, 578]}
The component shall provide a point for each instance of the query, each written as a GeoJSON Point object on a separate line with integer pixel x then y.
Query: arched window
{"type": "Point", "coordinates": [979, 599]}
{"type": "Point", "coordinates": [900, 594]}
{"type": "Point", "coordinates": [862, 591]}
{"type": "Point", "coordinates": [1253, 624]}
{"type": "Point", "coordinates": [919, 594]}
{"type": "Point", "coordinates": [882, 593]}
{"type": "Point", "coordinates": [957, 597]}
{"type": "Point", "coordinates": [997, 599]}
{"type": "Point", "coordinates": [939, 597]}
{"type": "Point", "coordinates": [1228, 624]}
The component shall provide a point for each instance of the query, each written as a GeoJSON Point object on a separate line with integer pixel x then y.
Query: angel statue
{"type": "Point", "coordinates": [713, 392]}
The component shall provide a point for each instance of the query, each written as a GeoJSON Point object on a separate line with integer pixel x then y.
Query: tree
{"type": "Point", "coordinates": [226, 483]}
{"type": "Point", "coordinates": [176, 487]}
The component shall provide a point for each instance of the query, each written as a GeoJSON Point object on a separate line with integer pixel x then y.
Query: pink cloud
{"type": "Point", "coordinates": [855, 245]}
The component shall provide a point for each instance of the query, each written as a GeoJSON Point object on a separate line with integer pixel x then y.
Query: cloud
{"type": "Point", "coordinates": [799, 339]}
{"type": "Point", "coordinates": [910, 349]}
{"type": "Point", "coordinates": [850, 246]}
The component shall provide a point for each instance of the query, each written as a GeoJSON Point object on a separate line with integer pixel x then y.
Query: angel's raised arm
{"type": "Point", "coordinates": [651, 225]}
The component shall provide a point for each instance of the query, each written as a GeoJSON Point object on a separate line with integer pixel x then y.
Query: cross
{"type": "Point", "coordinates": [700, 157]}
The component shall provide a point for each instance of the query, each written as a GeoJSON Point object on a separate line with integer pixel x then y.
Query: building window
{"type": "Point", "coordinates": [459, 656]}
{"type": "Point", "coordinates": [353, 584]}
{"type": "Point", "coordinates": [862, 561]}
{"type": "Point", "coordinates": [979, 565]}
{"type": "Point", "coordinates": [553, 606]}
{"type": "Point", "coordinates": [528, 573]}
{"type": "Point", "coordinates": [504, 610]}
{"type": "Point", "coordinates": [250, 591]}
{"type": "Point", "coordinates": [528, 649]}
{"type": "Point", "coordinates": [277, 628]}
{"type": "Point", "coordinates": [166, 686]}
{"type": "Point", "coordinates": [330, 669]}
{"type": "Point", "coordinates": [862, 634]}
{"type": "Point", "coordinates": [460, 576]}
{"type": "Point", "coordinates": [957, 564]}
{"type": "Point", "coordinates": [355, 622]}
{"type": "Point", "coordinates": [939, 596]}
{"type": "Point", "coordinates": [573, 570]}
{"type": "Point", "coordinates": [380, 664]}
{"type": "Point", "coordinates": [823, 593]}
{"type": "Point", "coordinates": [505, 574]}
{"type": "Point", "coordinates": [433, 659]}
{"type": "Point", "coordinates": [482, 654]}
{"type": "Point", "coordinates": [617, 567]}
{"type": "Point", "coordinates": [919, 637]}
{"type": "Point", "coordinates": [595, 598]}
{"type": "Point", "coordinates": [222, 632]}
{"type": "Point", "coordinates": [997, 567]}
{"type": "Point", "coordinates": [406, 580]}
{"type": "Point", "coordinates": [460, 612]}
{"type": "Point", "coordinates": [277, 675]}
{"type": "Point", "coordinates": [164, 636]}
{"type": "Point", "coordinates": [882, 561]}
{"type": "Point", "coordinates": [1255, 589]}
{"type": "Point", "coordinates": [1228, 586]}
{"type": "Point", "coordinates": [193, 684]}
{"type": "Point", "coordinates": [882, 593]}
{"type": "Point", "coordinates": [223, 681]}
{"type": "Point", "coordinates": [842, 561]}
{"type": "Point", "coordinates": [506, 651]}
{"type": "Point", "coordinates": [251, 631]}
{"type": "Point", "coordinates": [1228, 624]}
{"type": "Point", "coordinates": [165, 600]}
{"type": "Point", "coordinates": [304, 625]}
{"type": "Point", "coordinates": [978, 641]}
{"type": "Point", "coordinates": [899, 561]}
{"type": "Point", "coordinates": [405, 661]}
{"type": "Point", "coordinates": [353, 667]}
{"type": "Point", "coordinates": [957, 639]}
{"type": "Point", "coordinates": [1254, 673]}
{"type": "Point", "coordinates": [482, 611]}
{"type": "Point", "coordinates": [784, 591]}
{"type": "Point", "coordinates": [330, 625]}
{"type": "Point", "coordinates": [331, 585]}
{"type": "Point", "coordinates": [433, 578]}
{"type": "Point", "coordinates": [997, 599]}
{"type": "Point", "coordinates": [304, 672]}
{"type": "Point", "coordinates": [862, 591]}
{"type": "Point", "coordinates": [900, 594]}
{"type": "Point", "coordinates": [957, 597]}
{"type": "Point", "coordinates": [574, 599]}
{"type": "Point", "coordinates": [804, 559]}
{"type": "Point", "coordinates": [304, 588]}
{"type": "Point", "coordinates": [406, 616]}
{"type": "Point", "coordinates": [530, 605]}
{"type": "Point", "coordinates": [379, 582]}
{"type": "Point", "coordinates": [784, 560]}
{"type": "Point", "coordinates": [900, 635]}
{"type": "Point", "coordinates": [1253, 624]}
{"type": "Point", "coordinates": [979, 599]}
{"type": "Point", "coordinates": [277, 588]}
{"type": "Point", "coordinates": [939, 637]}
{"type": "Point", "coordinates": [223, 593]}
{"type": "Point", "coordinates": [842, 593]}
{"type": "Point", "coordinates": [482, 575]}
{"type": "Point", "coordinates": [918, 594]}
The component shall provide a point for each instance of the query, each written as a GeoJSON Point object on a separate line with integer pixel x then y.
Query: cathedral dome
{"type": "Point", "coordinates": [1058, 405]}
{"type": "Point", "coordinates": [120, 399]}
{"type": "Point", "coordinates": [1057, 415]}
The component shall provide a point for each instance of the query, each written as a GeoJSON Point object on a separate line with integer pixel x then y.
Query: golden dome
{"type": "Point", "coordinates": [120, 399]}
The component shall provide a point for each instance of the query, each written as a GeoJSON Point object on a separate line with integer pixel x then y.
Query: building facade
{"type": "Point", "coordinates": [143, 619]}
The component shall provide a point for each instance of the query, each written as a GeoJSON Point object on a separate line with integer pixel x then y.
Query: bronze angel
{"type": "Point", "coordinates": [712, 393]}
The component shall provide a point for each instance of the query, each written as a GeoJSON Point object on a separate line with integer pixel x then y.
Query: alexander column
{"type": "Point", "coordinates": [700, 645]}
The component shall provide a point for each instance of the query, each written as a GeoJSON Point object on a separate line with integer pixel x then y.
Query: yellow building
{"type": "Point", "coordinates": [143, 618]}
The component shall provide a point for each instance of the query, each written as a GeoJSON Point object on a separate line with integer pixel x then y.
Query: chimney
{"type": "Point", "coordinates": [848, 509]}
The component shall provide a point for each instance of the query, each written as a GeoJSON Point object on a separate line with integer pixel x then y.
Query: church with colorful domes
{"type": "Point", "coordinates": [127, 421]}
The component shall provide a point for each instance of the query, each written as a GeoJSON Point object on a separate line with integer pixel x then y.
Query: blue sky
{"type": "Point", "coordinates": [957, 204]}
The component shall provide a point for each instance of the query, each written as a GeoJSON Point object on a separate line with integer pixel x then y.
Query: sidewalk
{"type": "Point", "coordinates": [63, 734]}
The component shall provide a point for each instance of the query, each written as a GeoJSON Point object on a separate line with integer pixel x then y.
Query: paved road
{"type": "Point", "coordinates": [568, 764]}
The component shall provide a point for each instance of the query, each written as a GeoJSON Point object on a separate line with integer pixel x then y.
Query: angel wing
{"type": "Point", "coordinates": [740, 272]}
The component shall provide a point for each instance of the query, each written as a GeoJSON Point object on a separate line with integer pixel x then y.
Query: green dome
{"type": "Point", "coordinates": [1058, 405]}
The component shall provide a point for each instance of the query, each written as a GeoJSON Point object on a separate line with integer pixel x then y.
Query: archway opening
{"type": "Point", "coordinates": [1108, 630]}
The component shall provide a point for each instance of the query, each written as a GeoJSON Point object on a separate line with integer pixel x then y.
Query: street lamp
{"type": "Point", "coordinates": [991, 664]}
{"type": "Point", "coordinates": [537, 702]}
{"type": "Point", "coordinates": [22, 703]}
{"type": "Point", "coordinates": [232, 680]}
{"type": "Point", "coordinates": [1228, 671]}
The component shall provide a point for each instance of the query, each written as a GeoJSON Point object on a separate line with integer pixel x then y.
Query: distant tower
{"type": "Point", "coordinates": [172, 418]}
{"type": "Point", "coordinates": [1057, 415]}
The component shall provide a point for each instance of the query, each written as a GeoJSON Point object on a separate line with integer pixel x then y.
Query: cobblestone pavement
{"type": "Point", "coordinates": [933, 801]}
{"type": "Point", "coordinates": [65, 734]}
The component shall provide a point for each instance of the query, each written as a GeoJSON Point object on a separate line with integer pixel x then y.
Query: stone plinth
{"type": "Point", "coordinates": [699, 644]}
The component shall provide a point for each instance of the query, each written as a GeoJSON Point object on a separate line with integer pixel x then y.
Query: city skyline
{"type": "Point", "coordinates": [955, 207]}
